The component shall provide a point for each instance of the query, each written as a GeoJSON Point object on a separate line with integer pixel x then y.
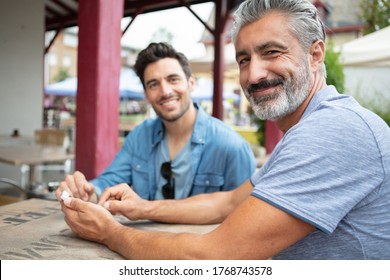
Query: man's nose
{"type": "Point", "coordinates": [166, 88]}
{"type": "Point", "coordinates": [257, 70]}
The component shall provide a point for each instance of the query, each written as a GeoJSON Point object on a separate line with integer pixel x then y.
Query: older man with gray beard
{"type": "Point", "coordinates": [323, 194]}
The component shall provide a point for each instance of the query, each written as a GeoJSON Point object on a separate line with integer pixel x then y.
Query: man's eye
{"type": "Point", "coordinates": [272, 52]}
{"type": "Point", "coordinates": [152, 85]}
{"type": "Point", "coordinates": [242, 61]}
{"type": "Point", "coordinates": [174, 79]}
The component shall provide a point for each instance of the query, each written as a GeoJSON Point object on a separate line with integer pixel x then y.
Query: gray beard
{"type": "Point", "coordinates": [281, 103]}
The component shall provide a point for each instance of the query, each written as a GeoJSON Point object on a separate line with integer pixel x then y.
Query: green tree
{"type": "Point", "coordinates": [379, 103]}
{"type": "Point", "coordinates": [334, 69]}
{"type": "Point", "coordinates": [62, 74]}
{"type": "Point", "coordinates": [375, 14]}
{"type": "Point", "coordinates": [162, 35]}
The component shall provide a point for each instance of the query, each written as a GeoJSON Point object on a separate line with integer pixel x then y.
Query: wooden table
{"type": "Point", "coordinates": [35, 229]}
{"type": "Point", "coordinates": [8, 140]}
{"type": "Point", "coordinates": [27, 157]}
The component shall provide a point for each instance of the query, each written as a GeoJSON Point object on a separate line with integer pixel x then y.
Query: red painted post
{"type": "Point", "coordinates": [219, 63]}
{"type": "Point", "coordinates": [272, 136]}
{"type": "Point", "coordinates": [99, 62]}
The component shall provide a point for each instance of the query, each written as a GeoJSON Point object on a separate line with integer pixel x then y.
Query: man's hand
{"type": "Point", "coordinates": [88, 220]}
{"type": "Point", "coordinates": [121, 199]}
{"type": "Point", "coordinates": [77, 186]}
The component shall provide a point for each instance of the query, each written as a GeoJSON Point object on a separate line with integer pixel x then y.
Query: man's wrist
{"type": "Point", "coordinates": [149, 209]}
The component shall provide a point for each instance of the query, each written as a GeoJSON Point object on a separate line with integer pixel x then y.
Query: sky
{"type": "Point", "coordinates": [184, 26]}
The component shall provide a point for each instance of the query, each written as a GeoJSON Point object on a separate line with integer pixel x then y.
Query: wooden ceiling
{"type": "Point", "coordinates": [61, 14]}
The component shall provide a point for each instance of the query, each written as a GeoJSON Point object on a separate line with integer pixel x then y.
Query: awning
{"type": "Point", "coordinates": [130, 86]}
{"type": "Point", "coordinates": [370, 50]}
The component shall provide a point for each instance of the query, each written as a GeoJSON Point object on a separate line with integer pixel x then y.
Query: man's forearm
{"type": "Point", "coordinates": [207, 208]}
{"type": "Point", "coordinates": [199, 209]}
{"type": "Point", "coordinates": [135, 244]}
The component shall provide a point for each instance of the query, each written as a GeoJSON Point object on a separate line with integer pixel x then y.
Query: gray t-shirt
{"type": "Point", "coordinates": [332, 170]}
{"type": "Point", "coordinates": [181, 167]}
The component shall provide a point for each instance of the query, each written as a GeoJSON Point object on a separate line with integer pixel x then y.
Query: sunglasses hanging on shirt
{"type": "Point", "coordinates": [168, 190]}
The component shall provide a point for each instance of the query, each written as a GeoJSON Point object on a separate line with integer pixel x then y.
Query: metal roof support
{"type": "Point", "coordinates": [185, 3]}
{"type": "Point", "coordinates": [58, 31]}
{"type": "Point", "coordinates": [139, 11]}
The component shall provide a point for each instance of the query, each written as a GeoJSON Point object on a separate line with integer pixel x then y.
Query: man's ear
{"type": "Point", "coordinates": [317, 54]}
{"type": "Point", "coordinates": [146, 96]}
{"type": "Point", "coordinates": [191, 83]}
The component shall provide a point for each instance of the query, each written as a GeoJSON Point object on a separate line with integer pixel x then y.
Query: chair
{"type": "Point", "coordinates": [10, 195]}
{"type": "Point", "coordinates": [17, 193]}
{"type": "Point", "coordinates": [55, 137]}
{"type": "Point", "coordinates": [49, 136]}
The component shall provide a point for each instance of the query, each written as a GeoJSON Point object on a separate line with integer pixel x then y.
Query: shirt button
{"type": "Point", "coordinates": [138, 166]}
{"type": "Point", "coordinates": [207, 182]}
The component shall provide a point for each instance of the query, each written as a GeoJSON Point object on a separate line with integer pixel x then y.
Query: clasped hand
{"type": "Point", "coordinates": [122, 200]}
{"type": "Point", "coordinates": [92, 221]}
{"type": "Point", "coordinates": [119, 199]}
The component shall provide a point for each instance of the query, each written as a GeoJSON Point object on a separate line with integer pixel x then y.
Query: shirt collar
{"type": "Point", "coordinates": [322, 95]}
{"type": "Point", "coordinates": [200, 127]}
{"type": "Point", "coordinates": [198, 134]}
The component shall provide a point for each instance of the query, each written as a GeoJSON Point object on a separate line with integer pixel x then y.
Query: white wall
{"type": "Point", "coordinates": [21, 70]}
{"type": "Point", "coordinates": [21, 65]}
{"type": "Point", "coordinates": [370, 85]}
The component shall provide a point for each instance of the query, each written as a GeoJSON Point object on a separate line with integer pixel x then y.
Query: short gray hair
{"type": "Point", "coordinates": [305, 23]}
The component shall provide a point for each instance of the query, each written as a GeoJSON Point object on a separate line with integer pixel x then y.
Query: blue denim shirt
{"type": "Point", "coordinates": [221, 159]}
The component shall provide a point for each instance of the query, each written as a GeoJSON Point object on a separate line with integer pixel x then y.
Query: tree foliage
{"type": "Point", "coordinates": [334, 69]}
{"type": "Point", "coordinates": [63, 73]}
{"type": "Point", "coordinates": [162, 35]}
{"type": "Point", "coordinates": [375, 14]}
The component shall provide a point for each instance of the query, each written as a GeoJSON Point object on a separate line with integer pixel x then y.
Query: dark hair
{"type": "Point", "coordinates": [155, 52]}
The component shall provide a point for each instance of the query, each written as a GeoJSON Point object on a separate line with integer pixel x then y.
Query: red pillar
{"type": "Point", "coordinates": [99, 62]}
{"type": "Point", "coordinates": [219, 63]}
{"type": "Point", "coordinates": [272, 136]}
